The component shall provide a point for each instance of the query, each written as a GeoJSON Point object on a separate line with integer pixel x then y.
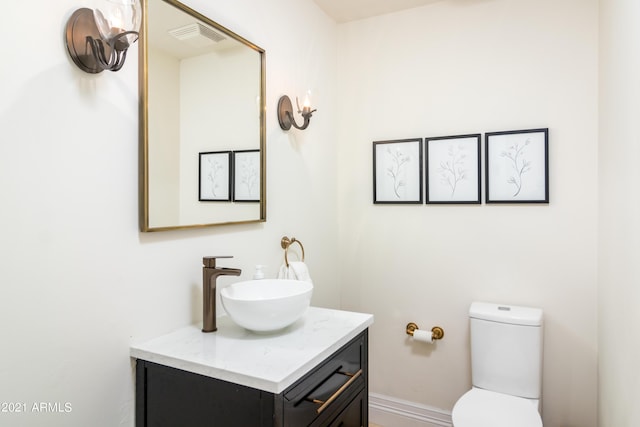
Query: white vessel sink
{"type": "Point", "coordinates": [266, 305]}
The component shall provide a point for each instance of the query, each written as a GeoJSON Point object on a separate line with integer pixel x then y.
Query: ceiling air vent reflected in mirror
{"type": "Point", "coordinates": [197, 34]}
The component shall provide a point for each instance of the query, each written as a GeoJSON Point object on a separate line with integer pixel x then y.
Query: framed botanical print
{"type": "Point", "coordinates": [453, 169]}
{"type": "Point", "coordinates": [397, 171]}
{"type": "Point", "coordinates": [517, 166]}
{"type": "Point", "coordinates": [246, 176]}
{"type": "Point", "coordinates": [214, 183]}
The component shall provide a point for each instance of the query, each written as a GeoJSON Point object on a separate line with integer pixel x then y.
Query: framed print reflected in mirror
{"type": "Point", "coordinates": [215, 176]}
{"type": "Point", "coordinates": [246, 176]}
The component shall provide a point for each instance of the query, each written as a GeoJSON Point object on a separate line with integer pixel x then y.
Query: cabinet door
{"type": "Point", "coordinates": [168, 397]}
{"type": "Point", "coordinates": [354, 415]}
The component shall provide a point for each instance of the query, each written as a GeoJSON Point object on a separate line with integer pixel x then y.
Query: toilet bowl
{"type": "Point", "coordinates": [483, 408]}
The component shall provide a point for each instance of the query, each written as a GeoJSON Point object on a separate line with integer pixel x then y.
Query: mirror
{"type": "Point", "coordinates": [202, 127]}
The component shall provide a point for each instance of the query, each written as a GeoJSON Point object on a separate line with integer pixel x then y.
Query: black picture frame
{"type": "Point", "coordinates": [246, 176]}
{"type": "Point", "coordinates": [517, 166]}
{"type": "Point", "coordinates": [453, 169]}
{"type": "Point", "coordinates": [398, 171]}
{"type": "Point", "coordinates": [214, 176]}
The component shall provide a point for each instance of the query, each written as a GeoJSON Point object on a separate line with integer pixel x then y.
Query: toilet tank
{"type": "Point", "coordinates": [506, 349]}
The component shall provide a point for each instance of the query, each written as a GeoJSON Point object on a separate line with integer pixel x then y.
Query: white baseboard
{"type": "Point", "coordinates": [387, 411]}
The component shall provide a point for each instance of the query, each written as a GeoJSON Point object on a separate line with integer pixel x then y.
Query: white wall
{"type": "Point", "coordinates": [465, 67]}
{"type": "Point", "coordinates": [78, 281]}
{"type": "Point", "coordinates": [164, 103]}
{"type": "Point", "coordinates": [619, 296]}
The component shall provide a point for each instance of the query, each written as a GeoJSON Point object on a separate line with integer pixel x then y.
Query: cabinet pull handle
{"type": "Point", "coordinates": [338, 392]}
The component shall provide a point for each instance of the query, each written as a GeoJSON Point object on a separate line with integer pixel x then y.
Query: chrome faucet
{"type": "Point", "coordinates": [209, 275]}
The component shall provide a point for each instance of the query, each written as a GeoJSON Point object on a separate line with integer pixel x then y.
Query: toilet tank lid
{"type": "Point", "coordinates": [505, 313]}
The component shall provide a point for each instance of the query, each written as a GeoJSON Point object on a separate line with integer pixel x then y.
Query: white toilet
{"type": "Point", "coordinates": [506, 368]}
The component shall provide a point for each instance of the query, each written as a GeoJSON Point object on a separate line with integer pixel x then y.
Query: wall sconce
{"type": "Point", "coordinates": [285, 113]}
{"type": "Point", "coordinates": [98, 39]}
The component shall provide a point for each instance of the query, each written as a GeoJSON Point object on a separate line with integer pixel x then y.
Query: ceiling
{"type": "Point", "coordinates": [351, 10]}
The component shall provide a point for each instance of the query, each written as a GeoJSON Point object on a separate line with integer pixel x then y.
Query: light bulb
{"type": "Point", "coordinates": [306, 105]}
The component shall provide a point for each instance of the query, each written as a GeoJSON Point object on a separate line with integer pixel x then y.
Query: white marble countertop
{"type": "Point", "coordinates": [266, 362]}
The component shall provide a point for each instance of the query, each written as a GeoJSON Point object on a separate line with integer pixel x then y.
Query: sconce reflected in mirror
{"type": "Point", "coordinates": [98, 39]}
{"type": "Point", "coordinates": [285, 113]}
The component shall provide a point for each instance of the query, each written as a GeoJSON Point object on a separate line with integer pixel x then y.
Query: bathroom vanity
{"type": "Point", "coordinates": [313, 373]}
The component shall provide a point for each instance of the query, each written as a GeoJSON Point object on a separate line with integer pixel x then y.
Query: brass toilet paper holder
{"type": "Point", "coordinates": [437, 332]}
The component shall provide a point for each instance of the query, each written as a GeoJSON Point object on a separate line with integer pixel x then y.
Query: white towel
{"type": "Point", "coordinates": [297, 271]}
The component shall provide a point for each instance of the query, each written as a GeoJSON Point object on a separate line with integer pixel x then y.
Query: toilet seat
{"type": "Point", "coordinates": [483, 408]}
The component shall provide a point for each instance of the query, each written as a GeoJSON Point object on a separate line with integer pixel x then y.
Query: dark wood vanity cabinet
{"type": "Point", "coordinates": [334, 393]}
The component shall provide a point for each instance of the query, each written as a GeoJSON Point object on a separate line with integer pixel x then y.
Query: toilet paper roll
{"type": "Point", "coordinates": [423, 336]}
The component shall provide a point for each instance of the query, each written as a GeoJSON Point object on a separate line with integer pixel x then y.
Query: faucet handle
{"type": "Point", "coordinates": [210, 261]}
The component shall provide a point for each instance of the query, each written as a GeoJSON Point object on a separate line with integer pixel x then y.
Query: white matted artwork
{"type": "Point", "coordinates": [517, 166]}
{"type": "Point", "coordinates": [397, 171]}
{"type": "Point", "coordinates": [246, 176]}
{"type": "Point", "coordinates": [453, 169]}
{"type": "Point", "coordinates": [214, 183]}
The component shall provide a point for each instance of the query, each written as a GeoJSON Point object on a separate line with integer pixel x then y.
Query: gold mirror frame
{"type": "Point", "coordinates": [144, 122]}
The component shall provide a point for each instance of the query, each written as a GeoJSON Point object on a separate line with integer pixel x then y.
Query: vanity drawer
{"type": "Point", "coordinates": [329, 388]}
